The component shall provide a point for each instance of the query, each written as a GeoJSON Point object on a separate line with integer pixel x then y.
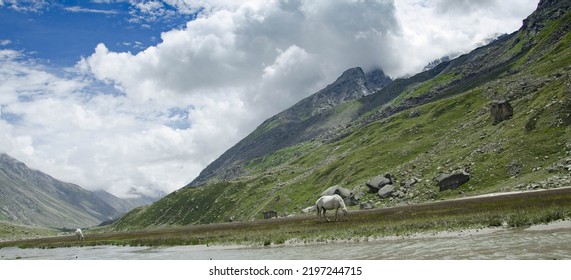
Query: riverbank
{"type": "Point", "coordinates": [482, 213]}
{"type": "Point", "coordinates": [548, 241]}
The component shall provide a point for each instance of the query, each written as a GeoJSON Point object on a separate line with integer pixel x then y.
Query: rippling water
{"type": "Point", "coordinates": [547, 242]}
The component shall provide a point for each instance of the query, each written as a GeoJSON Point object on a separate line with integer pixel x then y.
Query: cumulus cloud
{"type": "Point", "coordinates": [61, 126]}
{"type": "Point", "coordinates": [152, 120]}
{"type": "Point", "coordinates": [432, 29]}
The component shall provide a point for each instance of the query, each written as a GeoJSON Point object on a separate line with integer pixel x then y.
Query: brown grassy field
{"type": "Point", "coordinates": [499, 210]}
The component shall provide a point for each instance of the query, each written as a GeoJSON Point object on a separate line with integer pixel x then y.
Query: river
{"type": "Point", "coordinates": [538, 242]}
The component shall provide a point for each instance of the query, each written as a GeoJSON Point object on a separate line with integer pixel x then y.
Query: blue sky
{"type": "Point", "coordinates": [62, 32]}
{"type": "Point", "coordinates": [138, 96]}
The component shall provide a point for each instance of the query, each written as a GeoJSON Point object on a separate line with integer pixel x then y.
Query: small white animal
{"type": "Point", "coordinates": [79, 234]}
{"type": "Point", "coordinates": [329, 202]}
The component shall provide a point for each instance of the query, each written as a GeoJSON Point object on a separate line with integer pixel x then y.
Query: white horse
{"type": "Point", "coordinates": [79, 234]}
{"type": "Point", "coordinates": [330, 202]}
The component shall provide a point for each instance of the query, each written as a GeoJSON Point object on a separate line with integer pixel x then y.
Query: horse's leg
{"type": "Point", "coordinates": [336, 214]}
{"type": "Point", "coordinates": [325, 216]}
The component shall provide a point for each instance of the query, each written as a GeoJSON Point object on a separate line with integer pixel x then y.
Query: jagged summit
{"type": "Point", "coordinates": [351, 85]}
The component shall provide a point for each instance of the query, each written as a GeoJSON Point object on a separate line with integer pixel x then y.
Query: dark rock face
{"type": "Point", "coordinates": [453, 180]}
{"type": "Point", "coordinates": [376, 80]}
{"type": "Point", "coordinates": [501, 111]}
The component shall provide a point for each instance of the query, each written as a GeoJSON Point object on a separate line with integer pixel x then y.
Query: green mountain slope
{"type": "Point", "coordinates": [305, 120]}
{"type": "Point", "coordinates": [416, 129]}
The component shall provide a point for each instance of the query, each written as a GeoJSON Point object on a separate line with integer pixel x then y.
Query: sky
{"type": "Point", "coordinates": [137, 97]}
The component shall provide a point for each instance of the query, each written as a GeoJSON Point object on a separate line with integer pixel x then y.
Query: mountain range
{"type": "Point", "coordinates": [495, 119]}
{"type": "Point", "coordinates": [418, 130]}
{"type": "Point", "coordinates": [31, 197]}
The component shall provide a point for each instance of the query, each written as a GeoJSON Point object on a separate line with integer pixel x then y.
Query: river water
{"type": "Point", "coordinates": [539, 242]}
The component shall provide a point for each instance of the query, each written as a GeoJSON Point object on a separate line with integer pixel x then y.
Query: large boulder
{"type": "Point", "coordinates": [386, 191]}
{"type": "Point", "coordinates": [343, 192]}
{"type": "Point", "coordinates": [501, 111]}
{"type": "Point", "coordinates": [376, 183]}
{"type": "Point", "coordinates": [452, 180]}
{"type": "Point", "coordinates": [346, 194]}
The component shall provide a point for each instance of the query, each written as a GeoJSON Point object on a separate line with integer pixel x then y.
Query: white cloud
{"type": "Point", "coordinates": [77, 9]}
{"type": "Point", "coordinates": [33, 6]}
{"type": "Point", "coordinates": [432, 29]}
{"type": "Point", "coordinates": [179, 104]}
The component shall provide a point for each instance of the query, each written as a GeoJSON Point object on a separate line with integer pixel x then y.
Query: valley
{"type": "Point", "coordinates": [498, 117]}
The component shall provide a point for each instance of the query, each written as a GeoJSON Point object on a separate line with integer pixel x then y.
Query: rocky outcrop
{"type": "Point", "coordinates": [343, 192]}
{"type": "Point", "coordinates": [346, 194]}
{"type": "Point", "coordinates": [376, 183]}
{"type": "Point", "coordinates": [386, 191]}
{"type": "Point", "coordinates": [452, 180]}
{"type": "Point", "coordinates": [501, 110]}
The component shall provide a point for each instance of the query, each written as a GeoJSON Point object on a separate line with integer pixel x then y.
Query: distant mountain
{"type": "Point", "coordinates": [32, 197]}
{"type": "Point", "coordinates": [124, 205]}
{"type": "Point", "coordinates": [303, 121]}
{"type": "Point", "coordinates": [436, 62]}
{"type": "Point", "coordinates": [499, 117]}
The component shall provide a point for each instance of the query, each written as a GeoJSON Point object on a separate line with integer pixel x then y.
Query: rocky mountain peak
{"type": "Point", "coordinates": [356, 80]}
{"type": "Point", "coordinates": [546, 10]}
{"type": "Point", "coordinates": [353, 84]}
{"type": "Point", "coordinates": [351, 75]}
{"type": "Point", "coordinates": [376, 80]}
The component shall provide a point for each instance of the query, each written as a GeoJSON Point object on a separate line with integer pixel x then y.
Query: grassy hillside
{"type": "Point", "coordinates": [436, 124]}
